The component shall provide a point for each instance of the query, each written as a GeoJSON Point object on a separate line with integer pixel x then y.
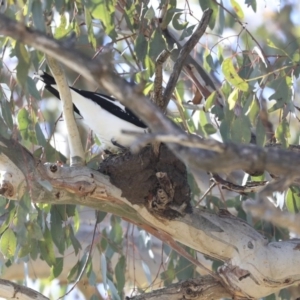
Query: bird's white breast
{"type": "Point", "coordinates": [105, 125]}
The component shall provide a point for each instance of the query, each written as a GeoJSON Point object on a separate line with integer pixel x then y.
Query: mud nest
{"type": "Point", "coordinates": [159, 182]}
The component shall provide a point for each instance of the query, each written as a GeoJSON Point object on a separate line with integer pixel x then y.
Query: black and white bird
{"type": "Point", "coordinates": [103, 114]}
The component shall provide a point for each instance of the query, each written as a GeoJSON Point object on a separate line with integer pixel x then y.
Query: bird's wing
{"type": "Point", "coordinates": [113, 106]}
{"type": "Point", "coordinates": [106, 102]}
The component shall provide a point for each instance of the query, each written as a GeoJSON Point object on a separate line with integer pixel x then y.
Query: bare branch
{"type": "Point", "coordinates": [204, 288]}
{"type": "Point", "coordinates": [184, 52]}
{"type": "Point", "coordinates": [233, 157]}
{"type": "Point", "coordinates": [11, 290]}
{"type": "Point", "coordinates": [249, 187]}
{"type": "Point", "coordinates": [76, 149]}
{"type": "Point", "coordinates": [157, 95]}
{"type": "Point", "coordinates": [201, 230]}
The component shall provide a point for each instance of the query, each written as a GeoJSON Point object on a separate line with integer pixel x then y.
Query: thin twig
{"type": "Point", "coordinates": [206, 193]}
{"type": "Point", "coordinates": [157, 95]}
{"type": "Point", "coordinates": [184, 52]}
{"type": "Point", "coordinates": [85, 263]}
{"type": "Point", "coordinates": [76, 149]}
{"type": "Point", "coordinates": [249, 187]}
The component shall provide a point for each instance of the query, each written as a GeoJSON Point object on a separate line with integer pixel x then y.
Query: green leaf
{"type": "Point", "coordinates": [34, 230]}
{"type": "Point", "coordinates": [251, 3]}
{"type": "Point", "coordinates": [25, 249]}
{"type": "Point", "coordinates": [184, 269]}
{"type": "Point", "coordinates": [75, 243]}
{"type": "Point", "coordinates": [208, 61]}
{"type": "Point", "coordinates": [150, 66]}
{"type": "Point", "coordinates": [177, 24]}
{"type": "Point", "coordinates": [272, 45]}
{"type": "Point", "coordinates": [140, 47]}
{"type": "Point", "coordinates": [59, 5]}
{"type": "Point", "coordinates": [76, 221]}
{"type": "Point", "coordinates": [113, 290]}
{"type": "Point", "coordinates": [237, 8]}
{"type": "Point", "coordinates": [8, 244]}
{"type": "Point", "coordinates": [38, 15]}
{"type": "Point", "coordinates": [214, 6]}
{"type": "Point", "coordinates": [90, 29]}
{"type": "Point", "coordinates": [60, 212]}
{"type": "Point", "coordinates": [31, 87]}
{"type": "Point", "coordinates": [282, 133]}
{"type": "Point", "coordinates": [57, 268]}
{"type": "Point", "coordinates": [57, 232]}
{"type": "Point", "coordinates": [70, 210]}
{"type": "Point", "coordinates": [233, 98]}
{"type": "Point", "coordinates": [241, 130]}
{"type": "Point", "coordinates": [220, 23]}
{"type": "Point", "coordinates": [292, 199]}
{"type": "Point", "coordinates": [23, 63]}
{"type": "Point", "coordinates": [225, 130]}
{"type": "Point", "coordinates": [246, 66]}
{"type": "Point", "coordinates": [209, 129]}
{"type": "Point", "coordinates": [170, 13]}
{"type": "Point", "coordinates": [187, 32]}
{"type": "Point", "coordinates": [283, 92]}
{"type": "Point", "coordinates": [210, 101]}
{"type": "Point", "coordinates": [93, 280]}
{"type": "Point", "coordinates": [232, 76]}
{"type": "Point", "coordinates": [129, 15]}
{"type": "Point", "coordinates": [64, 27]}
{"type": "Point", "coordinates": [7, 113]}
{"type": "Point", "coordinates": [40, 135]}
{"type": "Point", "coordinates": [104, 270]}
{"type": "Point", "coordinates": [8, 219]}
{"type": "Point", "coordinates": [116, 233]}
{"type": "Point", "coordinates": [285, 294]}
{"type": "Point", "coordinates": [150, 13]}
{"type": "Point", "coordinates": [120, 270]}
{"type": "Point", "coordinates": [23, 122]}
{"type": "Point", "coordinates": [100, 215]}
{"type": "Point", "coordinates": [47, 249]}
{"type": "Point", "coordinates": [260, 133]}
{"type": "Point", "coordinates": [73, 271]}
{"type": "Point", "coordinates": [35, 249]}
{"type": "Point", "coordinates": [104, 10]}
{"type": "Point", "coordinates": [157, 44]}
{"type": "Point", "coordinates": [253, 110]}
{"type": "Point", "coordinates": [169, 275]}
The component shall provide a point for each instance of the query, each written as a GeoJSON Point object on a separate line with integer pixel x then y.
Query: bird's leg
{"type": "Point", "coordinates": [115, 143]}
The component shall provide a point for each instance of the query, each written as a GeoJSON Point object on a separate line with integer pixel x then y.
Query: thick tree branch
{"type": "Point", "coordinates": [232, 157]}
{"type": "Point", "coordinates": [76, 149]}
{"type": "Point", "coordinates": [11, 290]}
{"type": "Point", "coordinates": [205, 288]}
{"type": "Point", "coordinates": [246, 252]}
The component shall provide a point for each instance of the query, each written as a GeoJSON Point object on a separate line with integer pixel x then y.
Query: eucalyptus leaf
{"type": "Point", "coordinates": [8, 243]}
{"type": "Point", "coordinates": [23, 63]}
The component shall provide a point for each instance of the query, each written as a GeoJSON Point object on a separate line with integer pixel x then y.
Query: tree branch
{"type": "Point", "coordinates": [183, 54]}
{"type": "Point", "coordinates": [76, 149]}
{"type": "Point", "coordinates": [251, 261]}
{"type": "Point", "coordinates": [205, 288]}
{"type": "Point", "coordinates": [207, 233]}
{"type": "Point", "coordinates": [11, 290]}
